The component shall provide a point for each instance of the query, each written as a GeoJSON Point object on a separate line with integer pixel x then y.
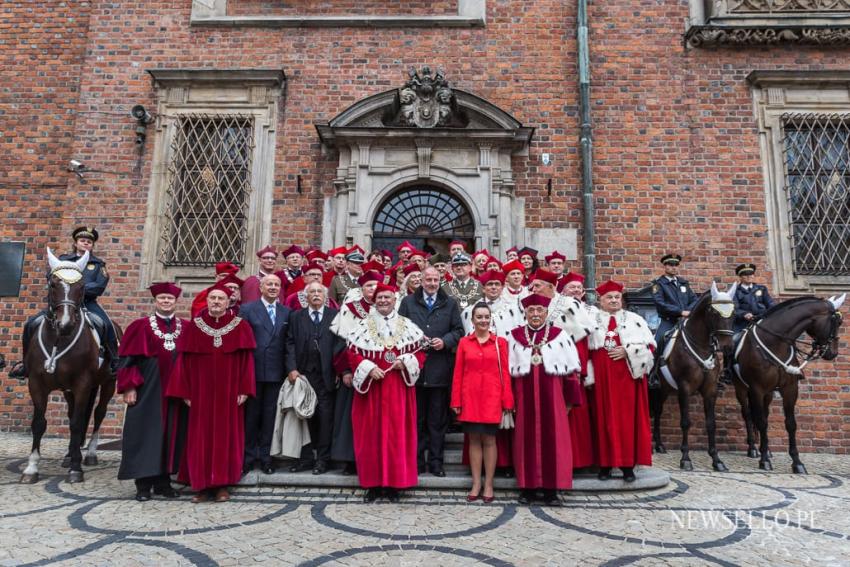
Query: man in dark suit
{"type": "Point", "coordinates": [269, 320]}
{"type": "Point", "coordinates": [673, 298]}
{"type": "Point", "coordinates": [310, 351]}
{"type": "Point", "coordinates": [752, 300]}
{"type": "Point", "coordinates": [438, 315]}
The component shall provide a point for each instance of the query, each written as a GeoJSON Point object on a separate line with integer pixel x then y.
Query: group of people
{"type": "Point", "coordinates": [389, 354]}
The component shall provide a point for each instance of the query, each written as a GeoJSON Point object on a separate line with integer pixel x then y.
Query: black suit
{"type": "Point", "coordinates": [434, 387]}
{"type": "Point", "coordinates": [310, 349]}
{"type": "Point", "coordinates": [269, 370]}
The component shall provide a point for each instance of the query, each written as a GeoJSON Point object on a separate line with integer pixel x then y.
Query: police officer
{"type": "Point", "coordinates": [95, 278]}
{"type": "Point", "coordinates": [673, 298]}
{"type": "Point", "coordinates": [751, 299]}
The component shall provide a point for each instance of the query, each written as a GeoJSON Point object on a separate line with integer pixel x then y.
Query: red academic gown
{"type": "Point", "coordinates": [582, 426]}
{"type": "Point", "coordinates": [296, 301]}
{"type": "Point", "coordinates": [622, 411]}
{"type": "Point", "coordinates": [154, 431]}
{"type": "Point", "coordinates": [199, 303]}
{"type": "Point", "coordinates": [212, 378]}
{"type": "Point", "coordinates": [384, 423]}
{"type": "Point", "coordinates": [542, 445]}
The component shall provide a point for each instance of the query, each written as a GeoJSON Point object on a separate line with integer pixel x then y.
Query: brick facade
{"type": "Point", "coordinates": [676, 155]}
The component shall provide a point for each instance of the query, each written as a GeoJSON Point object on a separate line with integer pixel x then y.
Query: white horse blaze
{"type": "Point", "coordinates": [32, 463]}
{"type": "Point", "coordinates": [92, 450]}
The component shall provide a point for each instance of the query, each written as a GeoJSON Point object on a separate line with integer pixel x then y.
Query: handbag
{"type": "Point", "coordinates": [507, 416]}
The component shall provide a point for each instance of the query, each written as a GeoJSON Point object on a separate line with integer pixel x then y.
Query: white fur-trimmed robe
{"type": "Point", "coordinates": [560, 356]}
{"type": "Point", "coordinates": [503, 317]}
{"type": "Point", "coordinates": [360, 340]}
{"type": "Point", "coordinates": [635, 336]}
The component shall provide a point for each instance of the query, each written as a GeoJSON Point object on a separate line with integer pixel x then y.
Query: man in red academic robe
{"type": "Point", "coordinates": [214, 375]}
{"type": "Point", "coordinates": [297, 298]}
{"type": "Point", "coordinates": [251, 287]}
{"type": "Point", "coordinates": [621, 352]}
{"type": "Point", "coordinates": [154, 432]}
{"type": "Point", "coordinates": [545, 367]}
{"type": "Point", "coordinates": [222, 270]}
{"type": "Point", "coordinates": [384, 351]}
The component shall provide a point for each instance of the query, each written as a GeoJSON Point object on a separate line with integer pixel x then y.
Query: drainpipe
{"type": "Point", "coordinates": [586, 141]}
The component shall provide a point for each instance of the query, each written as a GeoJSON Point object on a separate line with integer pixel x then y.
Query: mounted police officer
{"type": "Point", "coordinates": [751, 299]}
{"type": "Point", "coordinates": [96, 279]}
{"type": "Point", "coordinates": [673, 298]}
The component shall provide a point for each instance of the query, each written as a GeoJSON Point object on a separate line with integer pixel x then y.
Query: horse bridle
{"type": "Point", "coordinates": [816, 348]}
{"type": "Point", "coordinates": [713, 342]}
{"type": "Point", "coordinates": [52, 307]}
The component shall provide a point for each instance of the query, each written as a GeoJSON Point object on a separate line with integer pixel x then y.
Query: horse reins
{"type": "Point", "coordinates": [713, 345]}
{"type": "Point", "coordinates": [51, 358]}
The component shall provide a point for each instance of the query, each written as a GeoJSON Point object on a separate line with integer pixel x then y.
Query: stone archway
{"type": "Point", "coordinates": [425, 133]}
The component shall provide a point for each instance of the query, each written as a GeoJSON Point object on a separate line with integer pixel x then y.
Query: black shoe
{"type": "Point", "coordinates": [508, 472]}
{"type": "Point", "coordinates": [420, 469]}
{"type": "Point", "coordinates": [628, 474]}
{"type": "Point", "coordinates": [18, 370]}
{"type": "Point", "coordinates": [550, 498]}
{"type": "Point", "coordinates": [301, 466]}
{"type": "Point", "coordinates": [166, 492]}
{"type": "Point", "coordinates": [246, 469]}
{"type": "Point", "coordinates": [320, 468]}
{"type": "Point", "coordinates": [371, 495]}
{"type": "Point", "coordinates": [392, 495]}
{"type": "Point", "coordinates": [349, 469]}
{"type": "Point", "coordinates": [604, 473]}
{"type": "Point", "coordinates": [526, 497]}
{"type": "Point", "coordinates": [143, 495]}
{"type": "Point", "coordinates": [268, 468]}
{"type": "Point", "coordinates": [438, 471]}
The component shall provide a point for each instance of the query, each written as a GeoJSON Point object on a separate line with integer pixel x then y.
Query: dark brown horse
{"type": "Point", "coordinates": [694, 364]}
{"type": "Point", "coordinates": [63, 355]}
{"type": "Point", "coordinates": [768, 358]}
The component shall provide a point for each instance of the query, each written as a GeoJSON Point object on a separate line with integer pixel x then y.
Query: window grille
{"type": "Point", "coordinates": [423, 211]}
{"type": "Point", "coordinates": [208, 190]}
{"type": "Point", "coordinates": [770, 6]}
{"type": "Point", "coordinates": [817, 186]}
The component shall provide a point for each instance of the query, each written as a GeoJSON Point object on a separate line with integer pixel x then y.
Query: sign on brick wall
{"type": "Point", "coordinates": [11, 268]}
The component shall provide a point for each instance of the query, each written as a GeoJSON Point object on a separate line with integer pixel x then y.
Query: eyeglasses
{"type": "Point", "coordinates": [269, 258]}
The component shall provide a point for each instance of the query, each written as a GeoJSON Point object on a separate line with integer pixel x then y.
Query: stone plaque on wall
{"type": "Point", "coordinates": [11, 268]}
{"type": "Point", "coordinates": [547, 239]}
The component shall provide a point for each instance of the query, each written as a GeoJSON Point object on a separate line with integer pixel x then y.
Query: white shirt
{"type": "Point", "coordinates": [320, 311]}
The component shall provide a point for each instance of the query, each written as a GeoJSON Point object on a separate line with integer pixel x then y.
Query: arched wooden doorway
{"type": "Point", "coordinates": [429, 217]}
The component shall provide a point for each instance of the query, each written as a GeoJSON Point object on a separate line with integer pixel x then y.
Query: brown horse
{"type": "Point", "coordinates": [694, 364]}
{"type": "Point", "coordinates": [767, 358]}
{"type": "Point", "coordinates": [63, 355]}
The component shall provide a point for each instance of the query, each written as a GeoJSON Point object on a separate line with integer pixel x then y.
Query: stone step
{"type": "Point", "coordinates": [648, 478]}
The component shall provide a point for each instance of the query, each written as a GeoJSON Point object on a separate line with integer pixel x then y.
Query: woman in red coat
{"type": "Point", "coordinates": [481, 391]}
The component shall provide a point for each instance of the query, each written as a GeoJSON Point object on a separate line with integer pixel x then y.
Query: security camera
{"type": "Point", "coordinates": [76, 166]}
{"type": "Point", "coordinates": [143, 116]}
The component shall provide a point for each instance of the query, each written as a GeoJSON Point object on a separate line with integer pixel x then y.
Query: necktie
{"type": "Point", "coordinates": [272, 314]}
{"type": "Point", "coordinates": [316, 319]}
{"type": "Point", "coordinates": [430, 302]}
{"type": "Point", "coordinates": [387, 327]}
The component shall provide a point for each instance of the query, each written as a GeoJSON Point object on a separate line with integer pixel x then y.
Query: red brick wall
{"type": "Point", "coordinates": [677, 163]}
{"type": "Point", "coordinates": [341, 8]}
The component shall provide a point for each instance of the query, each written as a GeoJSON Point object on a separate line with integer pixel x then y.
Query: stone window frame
{"type": "Point", "coordinates": [470, 13]}
{"type": "Point", "coordinates": [776, 93]}
{"type": "Point", "coordinates": [716, 22]}
{"type": "Point", "coordinates": [257, 93]}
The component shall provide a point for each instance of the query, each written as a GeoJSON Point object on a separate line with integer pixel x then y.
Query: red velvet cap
{"type": "Point", "coordinates": [484, 251]}
{"type": "Point", "coordinates": [492, 275]}
{"type": "Point", "coordinates": [405, 246]}
{"type": "Point", "coordinates": [513, 265]}
{"type": "Point", "coordinates": [555, 255]}
{"type": "Point", "coordinates": [410, 268]}
{"type": "Point", "coordinates": [226, 268]}
{"type": "Point", "coordinates": [231, 278]}
{"type": "Point", "coordinates": [267, 250]}
{"type": "Point", "coordinates": [546, 276]}
{"type": "Point", "coordinates": [572, 277]}
{"type": "Point", "coordinates": [387, 254]}
{"type": "Point", "coordinates": [494, 260]}
{"type": "Point", "coordinates": [294, 249]}
{"type": "Point", "coordinates": [418, 253]}
{"type": "Point", "coordinates": [535, 299]}
{"type": "Point", "coordinates": [384, 287]}
{"type": "Point", "coordinates": [457, 242]}
{"type": "Point", "coordinates": [372, 266]}
{"type": "Point", "coordinates": [608, 287]}
{"type": "Point", "coordinates": [370, 276]}
{"type": "Point", "coordinates": [312, 266]}
{"type": "Point", "coordinates": [219, 286]}
{"type": "Point", "coordinates": [338, 250]}
{"type": "Point", "coordinates": [165, 287]}
{"type": "Point", "coordinates": [512, 249]}
{"type": "Point", "coordinates": [313, 254]}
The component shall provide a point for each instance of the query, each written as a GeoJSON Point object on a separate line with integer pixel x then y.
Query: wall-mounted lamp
{"type": "Point", "coordinates": [143, 118]}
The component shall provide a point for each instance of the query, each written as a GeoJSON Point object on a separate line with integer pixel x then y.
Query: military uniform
{"type": "Point", "coordinates": [752, 298]}
{"type": "Point", "coordinates": [671, 297]}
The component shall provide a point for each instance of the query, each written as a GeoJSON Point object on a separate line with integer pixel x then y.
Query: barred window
{"type": "Point", "coordinates": [816, 152]}
{"type": "Point", "coordinates": [208, 191]}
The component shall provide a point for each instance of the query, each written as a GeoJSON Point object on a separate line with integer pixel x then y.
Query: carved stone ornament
{"type": "Point", "coordinates": [705, 36]}
{"type": "Point", "coordinates": [425, 101]}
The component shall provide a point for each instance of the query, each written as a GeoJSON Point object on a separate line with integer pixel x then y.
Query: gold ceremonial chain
{"type": "Point", "coordinates": [216, 334]}
{"type": "Point", "coordinates": [386, 342]}
{"type": "Point", "coordinates": [463, 298]}
{"type": "Point", "coordinates": [358, 307]}
{"type": "Point", "coordinates": [168, 338]}
{"type": "Point", "coordinates": [536, 357]}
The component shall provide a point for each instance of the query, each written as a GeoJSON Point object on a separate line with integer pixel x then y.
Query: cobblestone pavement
{"type": "Point", "coordinates": [744, 517]}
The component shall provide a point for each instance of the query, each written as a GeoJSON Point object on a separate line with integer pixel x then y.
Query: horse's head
{"type": "Point", "coordinates": [824, 328]}
{"type": "Point", "coordinates": [720, 316]}
{"type": "Point", "coordinates": [66, 292]}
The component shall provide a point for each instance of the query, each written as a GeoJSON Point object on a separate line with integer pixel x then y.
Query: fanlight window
{"type": "Point", "coordinates": [208, 190]}
{"type": "Point", "coordinates": [423, 211]}
{"type": "Point", "coordinates": [816, 150]}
